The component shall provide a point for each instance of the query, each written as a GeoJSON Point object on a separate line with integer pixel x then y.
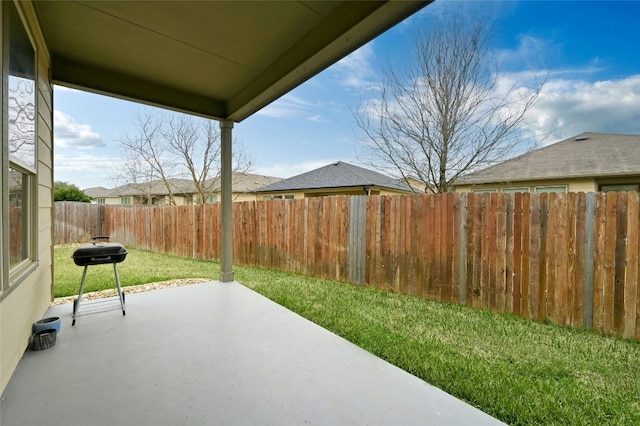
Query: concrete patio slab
{"type": "Point", "coordinates": [215, 354]}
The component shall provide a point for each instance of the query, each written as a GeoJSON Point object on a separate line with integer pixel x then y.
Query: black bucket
{"type": "Point", "coordinates": [43, 339]}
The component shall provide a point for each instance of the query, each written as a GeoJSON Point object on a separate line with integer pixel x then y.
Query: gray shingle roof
{"type": "Point", "coordinates": [97, 192]}
{"type": "Point", "coordinates": [336, 175]}
{"type": "Point", "coordinates": [586, 155]}
{"type": "Point", "coordinates": [241, 182]}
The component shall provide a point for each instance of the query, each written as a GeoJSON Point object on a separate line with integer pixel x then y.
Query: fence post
{"type": "Point", "coordinates": [589, 247]}
{"type": "Point", "coordinates": [462, 267]}
{"type": "Point", "coordinates": [357, 240]}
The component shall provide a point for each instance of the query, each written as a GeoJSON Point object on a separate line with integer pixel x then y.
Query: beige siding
{"type": "Point", "coordinates": [241, 196]}
{"type": "Point", "coordinates": [391, 192]}
{"type": "Point", "coordinates": [28, 300]}
{"type": "Point", "coordinates": [573, 185]}
{"type": "Point", "coordinates": [111, 200]}
{"type": "Point", "coordinates": [582, 185]}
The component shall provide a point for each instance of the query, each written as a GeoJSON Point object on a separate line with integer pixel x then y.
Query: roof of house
{"type": "Point", "coordinates": [241, 182]}
{"type": "Point", "coordinates": [220, 59]}
{"type": "Point", "coordinates": [336, 175]}
{"type": "Point", "coordinates": [246, 182]}
{"type": "Point", "coordinates": [585, 155]}
{"type": "Point", "coordinates": [97, 192]}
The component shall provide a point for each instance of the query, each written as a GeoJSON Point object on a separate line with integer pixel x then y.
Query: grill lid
{"type": "Point", "coordinates": [97, 254]}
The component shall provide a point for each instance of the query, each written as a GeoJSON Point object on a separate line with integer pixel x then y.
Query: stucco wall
{"type": "Point", "coordinates": [28, 300]}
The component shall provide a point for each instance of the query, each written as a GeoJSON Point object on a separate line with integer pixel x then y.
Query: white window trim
{"type": "Point", "coordinates": [484, 190]}
{"type": "Point", "coordinates": [511, 190]}
{"type": "Point", "coordinates": [14, 275]}
{"type": "Point", "coordinates": [537, 188]}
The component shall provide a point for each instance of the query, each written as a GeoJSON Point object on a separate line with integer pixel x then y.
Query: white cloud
{"type": "Point", "coordinates": [69, 133]}
{"type": "Point", "coordinates": [287, 106]}
{"type": "Point", "coordinates": [291, 106]}
{"type": "Point", "coordinates": [569, 107]}
{"type": "Point", "coordinates": [319, 118]}
{"type": "Point", "coordinates": [529, 54]}
{"type": "Point", "coordinates": [86, 170]}
{"type": "Point", "coordinates": [355, 70]}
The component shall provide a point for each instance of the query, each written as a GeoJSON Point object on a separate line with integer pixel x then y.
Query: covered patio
{"type": "Point", "coordinates": [214, 353]}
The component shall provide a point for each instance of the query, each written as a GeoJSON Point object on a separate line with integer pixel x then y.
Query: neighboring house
{"type": "Point", "coordinates": [589, 162]}
{"type": "Point", "coordinates": [185, 56]}
{"type": "Point", "coordinates": [182, 190]}
{"type": "Point", "coordinates": [102, 195]}
{"type": "Point", "coordinates": [334, 179]}
{"type": "Point", "coordinates": [155, 193]}
{"type": "Point", "coordinates": [419, 186]}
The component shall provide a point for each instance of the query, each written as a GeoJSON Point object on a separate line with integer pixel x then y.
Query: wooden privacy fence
{"type": "Point", "coordinates": [77, 222]}
{"type": "Point", "coordinates": [568, 258]}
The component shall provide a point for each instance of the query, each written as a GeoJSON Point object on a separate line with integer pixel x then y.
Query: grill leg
{"type": "Point", "coordinates": [76, 302]}
{"type": "Point", "coordinates": [120, 292]}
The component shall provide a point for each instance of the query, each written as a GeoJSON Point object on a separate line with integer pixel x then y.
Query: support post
{"type": "Point", "coordinates": [226, 240]}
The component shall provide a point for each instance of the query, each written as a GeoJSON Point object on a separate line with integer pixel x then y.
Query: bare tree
{"type": "Point", "coordinates": [197, 145]}
{"type": "Point", "coordinates": [176, 146]}
{"type": "Point", "coordinates": [147, 159]}
{"type": "Point", "coordinates": [444, 114]}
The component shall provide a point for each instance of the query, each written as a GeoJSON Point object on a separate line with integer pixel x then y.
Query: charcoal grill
{"type": "Point", "coordinates": [98, 253]}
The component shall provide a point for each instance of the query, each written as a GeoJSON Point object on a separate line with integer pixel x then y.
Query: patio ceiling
{"type": "Point", "coordinates": [222, 59]}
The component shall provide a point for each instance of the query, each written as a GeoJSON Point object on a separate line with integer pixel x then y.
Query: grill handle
{"type": "Point", "coordinates": [99, 237]}
{"type": "Point", "coordinates": [101, 259]}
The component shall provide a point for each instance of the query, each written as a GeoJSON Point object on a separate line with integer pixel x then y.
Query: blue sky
{"type": "Point", "coordinates": [590, 51]}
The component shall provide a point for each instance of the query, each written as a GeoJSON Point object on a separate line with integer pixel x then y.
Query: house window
{"type": "Point", "coordinates": [483, 190]}
{"type": "Point", "coordinates": [19, 140]}
{"type": "Point", "coordinates": [101, 201]}
{"type": "Point", "coordinates": [558, 188]}
{"type": "Point", "coordinates": [211, 199]}
{"type": "Point", "coordinates": [625, 188]}
{"type": "Point", "coordinates": [514, 190]}
{"type": "Point", "coordinates": [125, 201]}
{"type": "Point", "coordinates": [279, 197]}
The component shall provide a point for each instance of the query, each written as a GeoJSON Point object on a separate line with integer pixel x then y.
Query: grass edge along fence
{"type": "Point", "coordinates": [568, 258]}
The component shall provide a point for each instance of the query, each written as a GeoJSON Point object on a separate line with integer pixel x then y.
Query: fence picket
{"type": "Point", "coordinates": [620, 264]}
{"type": "Point", "coordinates": [611, 219]}
{"type": "Point", "coordinates": [516, 258]}
{"type": "Point", "coordinates": [500, 252]}
{"type": "Point", "coordinates": [631, 299]}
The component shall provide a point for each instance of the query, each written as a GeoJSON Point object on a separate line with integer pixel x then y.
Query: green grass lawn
{"type": "Point", "coordinates": [519, 371]}
{"type": "Point", "coordinates": [139, 267]}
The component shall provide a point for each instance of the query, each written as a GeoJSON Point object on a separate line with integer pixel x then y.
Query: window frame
{"type": "Point", "coordinates": [12, 275]}
{"type": "Point", "coordinates": [564, 187]}
{"type": "Point", "coordinates": [279, 197]}
{"type": "Point", "coordinates": [516, 189]}
{"type": "Point", "coordinates": [610, 187]}
{"type": "Point", "coordinates": [484, 190]}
